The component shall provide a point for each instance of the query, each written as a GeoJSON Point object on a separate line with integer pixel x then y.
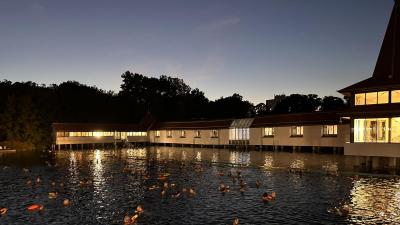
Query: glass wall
{"type": "Point", "coordinates": [395, 130]}
{"type": "Point", "coordinates": [239, 134]}
{"type": "Point", "coordinates": [395, 96]}
{"type": "Point", "coordinates": [371, 130]}
{"type": "Point", "coordinates": [371, 98]}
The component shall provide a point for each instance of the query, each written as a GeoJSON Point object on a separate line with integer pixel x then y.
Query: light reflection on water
{"type": "Point", "coordinates": [119, 184]}
{"type": "Point", "coordinates": [373, 199]}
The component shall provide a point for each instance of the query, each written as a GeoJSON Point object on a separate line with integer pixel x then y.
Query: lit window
{"type": "Point", "coordinates": [169, 133]}
{"type": "Point", "coordinates": [329, 130]}
{"type": "Point", "coordinates": [268, 131]}
{"type": "Point", "coordinates": [360, 99]}
{"type": "Point", "coordinates": [136, 134]}
{"type": "Point", "coordinates": [75, 134]}
{"type": "Point", "coordinates": [236, 134]}
{"type": "Point", "coordinates": [183, 133]}
{"type": "Point", "coordinates": [214, 133]}
{"type": "Point", "coordinates": [383, 97]}
{"type": "Point", "coordinates": [395, 129]}
{"type": "Point", "coordinates": [371, 98]}
{"type": "Point", "coordinates": [158, 133]}
{"type": "Point", "coordinates": [396, 96]}
{"type": "Point", "coordinates": [297, 131]}
{"type": "Point", "coordinates": [197, 133]}
{"type": "Point", "coordinates": [371, 130]}
{"type": "Point", "coordinates": [61, 134]}
{"type": "Point", "coordinates": [97, 134]}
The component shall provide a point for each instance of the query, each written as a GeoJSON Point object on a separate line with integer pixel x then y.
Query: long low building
{"type": "Point", "coordinates": [369, 127]}
{"type": "Point", "coordinates": [313, 130]}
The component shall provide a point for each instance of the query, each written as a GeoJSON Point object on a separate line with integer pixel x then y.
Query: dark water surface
{"type": "Point", "coordinates": [120, 181]}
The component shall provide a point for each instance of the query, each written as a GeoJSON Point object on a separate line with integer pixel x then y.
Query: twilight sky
{"type": "Point", "coordinates": [256, 48]}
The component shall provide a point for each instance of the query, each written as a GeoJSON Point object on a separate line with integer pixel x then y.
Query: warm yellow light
{"type": "Point", "coordinates": [97, 134]}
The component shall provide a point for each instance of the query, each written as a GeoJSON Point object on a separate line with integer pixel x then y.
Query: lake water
{"type": "Point", "coordinates": [119, 180]}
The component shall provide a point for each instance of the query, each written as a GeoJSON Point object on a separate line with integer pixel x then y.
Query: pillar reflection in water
{"type": "Point", "coordinates": [268, 162]}
{"type": "Point", "coordinates": [239, 158]}
{"type": "Point", "coordinates": [375, 201]}
{"type": "Point", "coordinates": [198, 156]}
{"type": "Point", "coordinates": [184, 155]}
{"type": "Point", "coordinates": [215, 157]}
{"type": "Point", "coordinates": [73, 170]}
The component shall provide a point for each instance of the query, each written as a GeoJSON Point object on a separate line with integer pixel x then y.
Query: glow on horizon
{"type": "Point", "coordinates": [221, 47]}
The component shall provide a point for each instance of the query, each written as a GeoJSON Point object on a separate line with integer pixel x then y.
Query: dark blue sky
{"type": "Point", "coordinates": [256, 48]}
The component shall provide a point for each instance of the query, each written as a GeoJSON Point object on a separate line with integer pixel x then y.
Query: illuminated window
{"type": "Point", "coordinates": [395, 96]}
{"type": "Point", "coordinates": [75, 134]}
{"type": "Point", "coordinates": [329, 130]}
{"type": "Point", "coordinates": [383, 97]}
{"type": "Point", "coordinates": [158, 133]}
{"type": "Point", "coordinates": [87, 134]}
{"type": "Point", "coordinates": [169, 133]}
{"type": "Point", "coordinates": [360, 99]}
{"type": "Point", "coordinates": [268, 131]}
{"type": "Point", "coordinates": [183, 133]}
{"type": "Point", "coordinates": [97, 134]}
{"type": "Point", "coordinates": [371, 130]}
{"type": "Point", "coordinates": [197, 133]}
{"type": "Point", "coordinates": [62, 134]}
{"type": "Point", "coordinates": [214, 133]}
{"type": "Point", "coordinates": [395, 130]}
{"type": "Point", "coordinates": [136, 134]}
{"type": "Point", "coordinates": [296, 131]}
{"type": "Point", "coordinates": [371, 98]}
{"type": "Point", "coordinates": [236, 134]}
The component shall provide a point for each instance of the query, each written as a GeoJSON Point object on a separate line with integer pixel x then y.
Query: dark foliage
{"type": "Point", "coordinates": [28, 109]}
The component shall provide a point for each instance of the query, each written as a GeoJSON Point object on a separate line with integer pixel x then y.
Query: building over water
{"type": "Point", "coordinates": [370, 127]}
{"type": "Point", "coordinates": [375, 102]}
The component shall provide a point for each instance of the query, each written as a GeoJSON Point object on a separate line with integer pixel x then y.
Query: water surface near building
{"type": "Point", "coordinates": [119, 184]}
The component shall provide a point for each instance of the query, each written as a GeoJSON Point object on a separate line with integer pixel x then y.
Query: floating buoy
{"type": "Point", "coordinates": [269, 197]}
{"type": "Point", "coordinates": [3, 211]}
{"type": "Point", "coordinates": [162, 177]}
{"type": "Point", "coordinates": [192, 192]}
{"type": "Point", "coordinates": [235, 221]}
{"type": "Point", "coordinates": [66, 202]}
{"type": "Point", "coordinates": [139, 209]}
{"type": "Point", "coordinates": [35, 207]}
{"type": "Point", "coordinates": [53, 195]}
{"type": "Point", "coordinates": [134, 218]}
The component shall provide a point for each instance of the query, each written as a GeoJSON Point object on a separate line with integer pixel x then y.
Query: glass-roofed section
{"type": "Point", "coordinates": [239, 131]}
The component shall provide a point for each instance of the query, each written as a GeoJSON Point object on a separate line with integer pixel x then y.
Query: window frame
{"type": "Point", "coordinates": [327, 134]}
{"type": "Point", "coordinates": [271, 134]}
{"type": "Point", "coordinates": [169, 133]}
{"type": "Point", "coordinates": [292, 128]}
{"type": "Point", "coordinates": [214, 133]}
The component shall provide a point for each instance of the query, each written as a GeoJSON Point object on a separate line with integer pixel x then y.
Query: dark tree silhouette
{"type": "Point", "coordinates": [28, 109]}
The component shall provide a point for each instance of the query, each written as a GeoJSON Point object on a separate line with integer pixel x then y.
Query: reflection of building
{"type": "Point", "coordinates": [374, 128]}
{"type": "Point", "coordinates": [375, 102]}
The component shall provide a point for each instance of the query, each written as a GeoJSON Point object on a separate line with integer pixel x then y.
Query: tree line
{"type": "Point", "coordinates": [27, 109]}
